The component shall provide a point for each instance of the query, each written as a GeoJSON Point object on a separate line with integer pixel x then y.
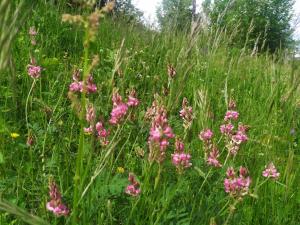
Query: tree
{"type": "Point", "coordinates": [264, 23]}
{"type": "Point", "coordinates": [175, 14]}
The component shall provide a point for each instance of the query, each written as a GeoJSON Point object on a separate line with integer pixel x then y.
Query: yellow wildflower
{"type": "Point", "coordinates": [14, 135]}
{"type": "Point", "coordinates": [120, 169]}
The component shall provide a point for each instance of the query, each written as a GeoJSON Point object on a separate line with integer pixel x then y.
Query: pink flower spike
{"type": "Point", "coordinates": [133, 188]}
{"type": "Point", "coordinates": [90, 114]}
{"type": "Point", "coordinates": [75, 87]}
{"type": "Point", "coordinates": [226, 128]}
{"type": "Point", "coordinates": [243, 171]}
{"type": "Point", "coordinates": [181, 160]}
{"type": "Point", "coordinates": [231, 115]}
{"type": "Point", "coordinates": [34, 71]}
{"type": "Point", "coordinates": [179, 145]}
{"type": "Point", "coordinates": [55, 205]}
{"type": "Point", "coordinates": [271, 172]}
{"type": "Point", "coordinates": [230, 172]}
{"type": "Point", "coordinates": [168, 132]}
{"type": "Point", "coordinates": [206, 135]}
{"type": "Point", "coordinates": [237, 186]}
{"type": "Point", "coordinates": [240, 137]}
{"type": "Point", "coordinates": [132, 100]}
{"type": "Point", "coordinates": [213, 158]}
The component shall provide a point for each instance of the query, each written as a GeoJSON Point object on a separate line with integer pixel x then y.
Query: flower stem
{"type": "Point", "coordinates": [79, 158]}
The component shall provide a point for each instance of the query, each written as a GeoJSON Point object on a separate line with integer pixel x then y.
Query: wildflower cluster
{"type": "Point", "coordinates": [206, 136]}
{"type": "Point", "coordinates": [233, 138]}
{"type": "Point", "coordinates": [160, 134]}
{"type": "Point", "coordinates": [55, 205]}
{"type": "Point", "coordinates": [120, 108]}
{"type": "Point", "coordinates": [237, 186]}
{"type": "Point", "coordinates": [180, 159]}
{"type": "Point", "coordinates": [133, 188]}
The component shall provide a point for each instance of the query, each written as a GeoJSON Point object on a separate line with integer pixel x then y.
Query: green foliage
{"type": "Point", "coordinates": [261, 24]}
{"type": "Point", "coordinates": [208, 72]}
{"type": "Point", "coordinates": [175, 14]}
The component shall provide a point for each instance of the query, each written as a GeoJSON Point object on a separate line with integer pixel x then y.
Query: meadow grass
{"type": "Point", "coordinates": [209, 72]}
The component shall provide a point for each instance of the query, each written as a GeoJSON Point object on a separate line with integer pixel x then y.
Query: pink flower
{"type": "Point", "coordinates": [133, 188]}
{"type": "Point", "coordinates": [206, 135]}
{"type": "Point", "coordinates": [179, 145]}
{"type": "Point", "coordinates": [243, 128]}
{"type": "Point", "coordinates": [186, 113]}
{"type": "Point", "coordinates": [226, 128]}
{"type": "Point", "coordinates": [75, 86]}
{"type": "Point", "coordinates": [231, 115]}
{"type": "Point", "coordinates": [239, 137]}
{"type": "Point", "coordinates": [230, 172]}
{"type": "Point", "coordinates": [117, 113]}
{"type": "Point", "coordinates": [91, 87]}
{"type": "Point", "coordinates": [55, 205]}
{"type": "Point", "coordinates": [102, 133]}
{"type": "Point", "coordinates": [34, 71]}
{"type": "Point", "coordinates": [78, 86]}
{"type": "Point", "coordinates": [132, 100]}
{"type": "Point", "coordinates": [213, 158]}
{"type": "Point", "coordinates": [160, 133]}
{"type": "Point", "coordinates": [155, 134]}
{"type": "Point", "coordinates": [163, 144]}
{"type": "Point", "coordinates": [88, 130]}
{"type": "Point", "coordinates": [181, 160]}
{"type": "Point", "coordinates": [90, 114]}
{"type": "Point", "coordinates": [271, 171]}
{"type": "Point", "coordinates": [237, 186]}
{"type": "Point", "coordinates": [168, 132]}
{"type": "Point", "coordinates": [119, 109]}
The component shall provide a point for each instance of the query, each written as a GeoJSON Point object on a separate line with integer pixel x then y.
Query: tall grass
{"type": "Point", "coordinates": [209, 71]}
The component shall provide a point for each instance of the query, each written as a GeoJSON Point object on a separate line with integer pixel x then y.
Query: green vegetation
{"type": "Point", "coordinates": [42, 138]}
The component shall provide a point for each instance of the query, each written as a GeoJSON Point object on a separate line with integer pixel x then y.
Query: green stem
{"type": "Point", "coordinates": [26, 105]}
{"type": "Point", "coordinates": [79, 158]}
{"type": "Point", "coordinates": [232, 209]}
